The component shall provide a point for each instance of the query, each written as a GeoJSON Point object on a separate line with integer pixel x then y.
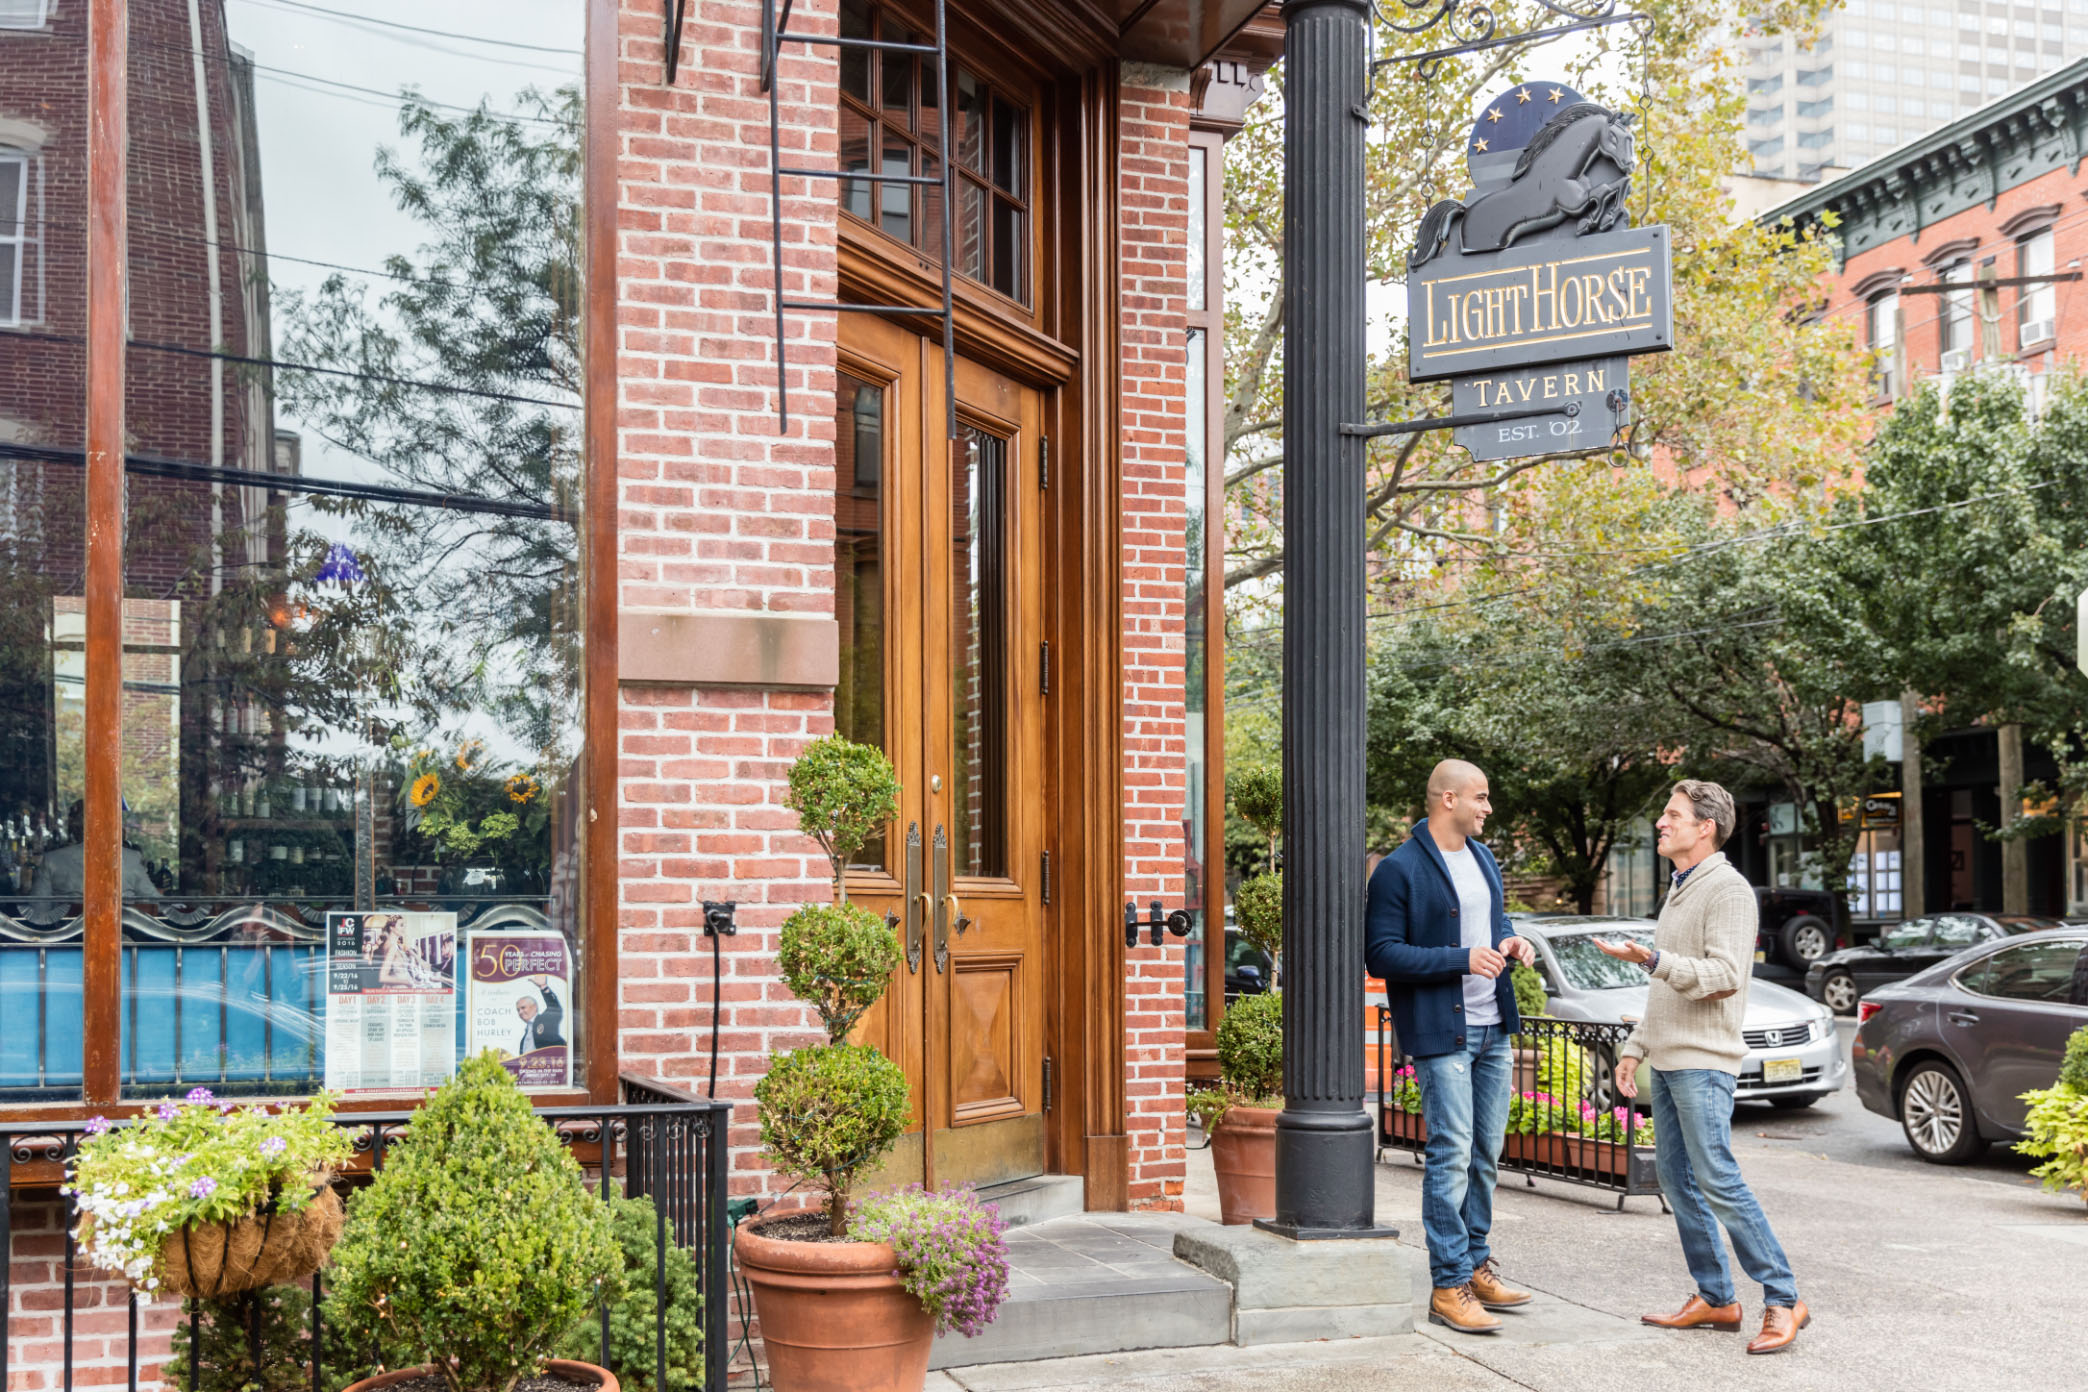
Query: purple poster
{"type": "Point", "coordinates": [520, 1004]}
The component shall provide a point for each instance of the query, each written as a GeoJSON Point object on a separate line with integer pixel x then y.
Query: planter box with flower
{"type": "Point", "coordinates": [201, 1198]}
{"type": "Point", "coordinates": [2055, 1128]}
{"type": "Point", "coordinates": [849, 1296]}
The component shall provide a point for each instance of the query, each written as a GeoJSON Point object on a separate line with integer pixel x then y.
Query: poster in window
{"type": "Point", "coordinates": [391, 1001]}
{"type": "Point", "coordinates": [519, 993]}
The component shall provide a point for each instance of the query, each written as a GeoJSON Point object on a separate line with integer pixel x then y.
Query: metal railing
{"type": "Point", "coordinates": [1566, 1122]}
{"type": "Point", "coordinates": [666, 1144]}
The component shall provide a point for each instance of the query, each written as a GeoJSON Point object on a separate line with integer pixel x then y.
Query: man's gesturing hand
{"type": "Point", "coordinates": [1520, 950]}
{"type": "Point", "coordinates": [1625, 951]}
{"type": "Point", "coordinates": [1487, 962]}
{"type": "Point", "coordinates": [1627, 1077]}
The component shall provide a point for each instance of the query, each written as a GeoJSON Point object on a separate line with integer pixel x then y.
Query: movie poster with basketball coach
{"type": "Point", "coordinates": [518, 995]}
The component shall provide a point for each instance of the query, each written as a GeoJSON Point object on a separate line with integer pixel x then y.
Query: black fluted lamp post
{"type": "Point", "coordinates": [1324, 1154]}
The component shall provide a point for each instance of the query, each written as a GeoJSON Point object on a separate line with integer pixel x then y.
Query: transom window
{"type": "Point", "coordinates": [891, 121]}
{"type": "Point", "coordinates": [24, 14]}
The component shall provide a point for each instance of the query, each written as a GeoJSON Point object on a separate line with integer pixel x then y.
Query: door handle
{"type": "Point", "coordinates": [916, 898]}
{"type": "Point", "coordinates": [944, 899]}
{"type": "Point", "coordinates": [956, 912]}
{"type": "Point", "coordinates": [1963, 1017]}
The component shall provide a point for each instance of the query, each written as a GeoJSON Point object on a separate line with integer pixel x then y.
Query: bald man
{"type": "Point", "coordinates": [1438, 936]}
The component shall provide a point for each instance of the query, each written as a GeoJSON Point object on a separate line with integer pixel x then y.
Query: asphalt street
{"type": "Point", "coordinates": [1918, 1277]}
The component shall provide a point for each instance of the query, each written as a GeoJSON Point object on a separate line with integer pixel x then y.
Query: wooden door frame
{"type": "Point", "coordinates": [1071, 353]}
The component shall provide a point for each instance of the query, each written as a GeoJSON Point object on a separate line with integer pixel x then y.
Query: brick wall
{"type": "Point", "coordinates": [1921, 315]}
{"type": "Point", "coordinates": [101, 1319]}
{"type": "Point", "coordinates": [1155, 265]}
{"type": "Point", "coordinates": [717, 512]}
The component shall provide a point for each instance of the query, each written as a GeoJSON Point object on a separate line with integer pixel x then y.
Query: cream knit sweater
{"type": "Point", "coordinates": [1698, 995]}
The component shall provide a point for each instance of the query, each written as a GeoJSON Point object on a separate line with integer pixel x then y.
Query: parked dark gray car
{"type": "Point", "coordinates": [1948, 1052]}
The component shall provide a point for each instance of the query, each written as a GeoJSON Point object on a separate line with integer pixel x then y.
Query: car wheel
{"type": "Point", "coordinates": [1804, 940]}
{"type": "Point", "coordinates": [1936, 1114]}
{"type": "Point", "coordinates": [1838, 992]}
{"type": "Point", "coordinates": [1792, 1102]}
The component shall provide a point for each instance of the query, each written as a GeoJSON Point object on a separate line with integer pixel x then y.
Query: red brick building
{"type": "Point", "coordinates": [429, 370]}
{"type": "Point", "coordinates": [1996, 197]}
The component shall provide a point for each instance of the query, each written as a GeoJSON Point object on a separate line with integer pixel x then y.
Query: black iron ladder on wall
{"type": "Point", "coordinates": [775, 32]}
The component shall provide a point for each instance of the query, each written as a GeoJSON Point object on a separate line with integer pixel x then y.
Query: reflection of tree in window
{"type": "Point", "coordinates": [859, 444]}
{"type": "Point", "coordinates": [978, 655]}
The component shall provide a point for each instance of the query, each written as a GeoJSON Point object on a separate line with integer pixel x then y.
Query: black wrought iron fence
{"type": "Point", "coordinates": [1565, 1119]}
{"type": "Point", "coordinates": [665, 1144]}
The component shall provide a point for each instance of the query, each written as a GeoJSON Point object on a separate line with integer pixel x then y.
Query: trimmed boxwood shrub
{"type": "Point", "coordinates": [478, 1247]}
{"type": "Point", "coordinates": [828, 1112]}
{"type": "Point", "coordinates": [839, 958]}
{"type": "Point", "coordinates": [1250, 1050]}
{"type": "Point", "coordinates": [631, 1348]}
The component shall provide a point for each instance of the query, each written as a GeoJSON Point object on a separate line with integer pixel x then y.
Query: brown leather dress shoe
{"type": "Point", "coordinates": [1493, 1292]}
{"type": "Point", "coordinates": [1454, 1307]}
{"type": "Point", "coordinates": [1695, 1314]}
{"type": "Point", "coordinates": [1780, 1326]}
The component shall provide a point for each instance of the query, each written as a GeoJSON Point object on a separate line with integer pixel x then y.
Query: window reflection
{"type": "Point", "coordinates": [859, 597]}
{"type": "Point", "coordinates": [900, 132]}
{"type": "Point", "coordinates": [351, 619]}
{"type": "Point", "coordinates": [978, 654]}
{"type": "Point", "coordinates": [43, 669]}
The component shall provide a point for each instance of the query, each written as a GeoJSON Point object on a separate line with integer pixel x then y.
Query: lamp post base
{"type": "Point", "coordinates": [1326, 1180]}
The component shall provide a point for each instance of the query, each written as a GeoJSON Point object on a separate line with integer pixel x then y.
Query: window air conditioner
{"type": "Point", "coordinates": [1955, 360]}
{"type": "Point", "coordinates": [2034, 332]}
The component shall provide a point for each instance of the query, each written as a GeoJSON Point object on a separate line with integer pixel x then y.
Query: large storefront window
{"type": "Point", "coordinates": [43, 257]}
{"type": "Point", "coordinates": [351, 643]}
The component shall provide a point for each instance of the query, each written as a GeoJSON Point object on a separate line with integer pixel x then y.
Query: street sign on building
{"type": "Point", "coordinates": [1531, 293]}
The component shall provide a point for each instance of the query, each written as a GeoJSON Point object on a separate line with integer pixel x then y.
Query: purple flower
{"type": "Point", "coordinates": [200, 1096]}
{"type": "Point", "coordinates": [203, 1188]}
{"type": "Point", "coordinates": [97, 1125]}
{"type": "Point", "coordinates": [166, 1111]}
{"type": "Point", "coordinates": [274, 1146]}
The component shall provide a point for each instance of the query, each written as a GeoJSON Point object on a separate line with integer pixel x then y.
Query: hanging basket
{"type": "Point", "coordinates": [267, 1249]}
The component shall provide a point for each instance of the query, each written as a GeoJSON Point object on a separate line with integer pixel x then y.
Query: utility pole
{"type": "Point", "coordinates": [1913, 842]}
{"type": "Point", "coordinates": [1325, 1186]}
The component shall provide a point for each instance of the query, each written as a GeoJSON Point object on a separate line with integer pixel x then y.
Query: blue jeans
{"type": "Point", "coordinates": [1693, 1134]}
{"type": "Point", "coordinates": [1464, 1100]}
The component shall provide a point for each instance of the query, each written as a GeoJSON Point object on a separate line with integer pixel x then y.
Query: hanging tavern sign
{"type": "Point", "coordinates": [1533, 290]}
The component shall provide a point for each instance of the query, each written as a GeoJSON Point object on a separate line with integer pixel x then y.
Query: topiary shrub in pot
{"type": "Point", "coordinates": [1257, 795]}
{"type": "Point", "coordinates": [1241, 1118]}
{"type": "Point", "coordinates": [836, 1314]}
{"type": "Point", "coordinates": [479, 1246]}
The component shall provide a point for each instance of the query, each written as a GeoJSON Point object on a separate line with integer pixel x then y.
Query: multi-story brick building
{"type": "Point", "coordinates": [464, 455]}
{"type": "Point", "coordinates": [1994, 195]}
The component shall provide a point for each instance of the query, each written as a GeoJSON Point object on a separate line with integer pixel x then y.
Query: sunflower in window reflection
{"type": "Point", "coordinates": [468, 754]}
{"type": "Point", "coordinates": [523, 788]}
{"type": "Point", "coordinates": [425, 788]}
{"type": "Point", "coordinates": [485, 819]}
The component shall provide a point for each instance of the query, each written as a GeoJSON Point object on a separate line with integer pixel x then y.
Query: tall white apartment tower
{"type": "Point", "coordinates": [1882, 73]}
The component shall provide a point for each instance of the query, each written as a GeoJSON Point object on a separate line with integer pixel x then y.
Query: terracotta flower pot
{"type": "Point", "coordinates": [1243, 1151]}
{"type": "Point", "coordinates": [566, 1368]}
{"type": "Point", "coordinates": [834, 1317]}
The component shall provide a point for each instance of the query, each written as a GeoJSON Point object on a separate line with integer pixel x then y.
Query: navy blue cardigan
{"type": "Point", "coordinates": [1413, 945]}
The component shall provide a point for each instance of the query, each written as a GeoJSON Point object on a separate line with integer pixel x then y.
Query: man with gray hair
{"type": "Point", "coordinates": [1690, 1041]}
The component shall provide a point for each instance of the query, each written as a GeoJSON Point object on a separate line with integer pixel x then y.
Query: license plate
{"type": "Point", "coordinates": [1783, 1071]}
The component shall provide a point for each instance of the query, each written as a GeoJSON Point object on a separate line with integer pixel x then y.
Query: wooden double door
{"type": "Point", "coordinates": [940, 602]}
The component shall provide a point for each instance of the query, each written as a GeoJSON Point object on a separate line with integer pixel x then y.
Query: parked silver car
{"type": "Point", "coordinates": [1793, 1057]}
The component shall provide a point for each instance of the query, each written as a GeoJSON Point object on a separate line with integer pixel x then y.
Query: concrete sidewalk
{"type": "Point", "coordinates": [1917, 1277]}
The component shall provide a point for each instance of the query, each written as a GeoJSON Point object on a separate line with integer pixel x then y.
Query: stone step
{"type": "Point", "coordinates": [1037, 1199]}
{"type": "Point", "coordinates": [1097, 1283]}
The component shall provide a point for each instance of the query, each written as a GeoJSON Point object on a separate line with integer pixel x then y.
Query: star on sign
{"type": "Point", "coordinates": [1556, 95]}
{"type": "Point", "coordinates": [1494, 115]}
{"type": "Point", "coordinates": [1479, 145]}
{"type": "Point", "coordinates": [1522, 94]}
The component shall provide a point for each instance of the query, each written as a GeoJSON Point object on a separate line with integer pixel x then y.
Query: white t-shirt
{"type": "Point", "coordinates": [1475, 929]}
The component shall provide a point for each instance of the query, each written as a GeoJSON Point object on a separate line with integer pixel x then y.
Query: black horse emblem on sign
{"type": "Point", "coordinates": [1577, 165]}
